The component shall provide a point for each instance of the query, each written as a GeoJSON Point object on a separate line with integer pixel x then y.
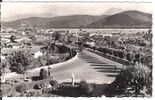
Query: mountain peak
{"type": "Point", "coordinates": [125, 19]}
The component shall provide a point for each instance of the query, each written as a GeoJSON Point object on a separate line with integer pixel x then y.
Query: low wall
{"type": "Point", "coordinates": [111, 57]}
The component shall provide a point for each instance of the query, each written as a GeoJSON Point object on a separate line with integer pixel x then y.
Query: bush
{"type": "Point", "coordinates": [4, 64]}
{"type": "Point", "coordinates": [21, 88]}
{"type": "Point", "coordinates": [40, 85]}
{"type": "Point", "coordinates": [54, 84]}
{"type": "Point", "coordinates": [85, 88]}
{"type": "Point", "coordinates": [31, 93]}
{"type": "Point", "coordinates": [133, 77]}
{"type": "Point", "coordinates": [43, 74]}
{"type": "Point", "coordinates": [129, 57]}
{"type": "Point", "coordinates": [42, 60]}
{"type": "Point", "coordinates": [18, 62]}
{"type": "Point", "coordinates": [149, 84]}
{"type": "Point", "coordinates": [120, 54]}
{"type": "Point", "coordinates": [53, 61]}
{"type": "Point", "coordinates": [43, 85]}
{"type": "Point", "coordinates": [37, 86]}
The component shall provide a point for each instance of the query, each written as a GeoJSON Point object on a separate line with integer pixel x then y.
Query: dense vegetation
{"type": "Point", "coordinates": [136, 78]}
{"type": "Point", "coordinates": [132, 81]}
{"type": "Point", "coordinates": [127, 56]}
{"type": "Point", "coordinates": [22, 60]}
{"type": "Point", "coordinates": [18, 62]}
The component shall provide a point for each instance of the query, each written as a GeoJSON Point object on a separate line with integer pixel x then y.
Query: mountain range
{"type": "Point", "coordinates": [126, 19]}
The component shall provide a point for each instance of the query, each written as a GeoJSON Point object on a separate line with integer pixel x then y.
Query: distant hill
{"type": "Point", "coordinates": [127, 19]}
{"type": "Point", "coordinates": [32, 21]}
{"type": "Point", "coordinates": [73, 21]}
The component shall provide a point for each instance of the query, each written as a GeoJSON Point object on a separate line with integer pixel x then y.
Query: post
{"type": "Point", "coordinates": [3, 73]}
{"type": "Point", "coordinates": [3, 78]}
{"type": "Point", "coordinates": [73, 79]}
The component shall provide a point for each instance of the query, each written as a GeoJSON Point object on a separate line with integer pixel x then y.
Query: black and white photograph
{"type": "Point", "coordinates": [76, 49]}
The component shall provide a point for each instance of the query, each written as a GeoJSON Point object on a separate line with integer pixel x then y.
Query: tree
{"type": "Point", "coordinates": [43, 73]}
{"type": "Point", "coordinates": [85, 88]}
{"type": "Point", "coordinates": [21, 88]}
{"type": "Point", "coordinates": [56, 36]}
{"type": "Point", "coordinates": [18, 62]}
{"type": "Point", "coordinates": [132, 77]}
{"type": "Point", "coordinates": [54, 84]}
{"type": "Point", "coordinates": [129, 56]}
{"type": "Point", "coordinates": [12, 38]}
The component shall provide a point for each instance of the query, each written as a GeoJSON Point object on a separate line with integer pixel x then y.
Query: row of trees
{"type": "Point", "coordinates": [122, 53]}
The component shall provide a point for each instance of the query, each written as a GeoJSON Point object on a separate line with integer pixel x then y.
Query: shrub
{"type": "Point", "coordinates": [42, 60]}
{"type": "Point", "coordinates": [43, 74]}
{"type": "Point", "coordinates": [37, 86]}
{"type": "Point", "coordinates": [21, 88]}
{"type": "Point", "coordinates": [43, 85]}
{"type": "Point", "coordinates": [53, 61]}
{"type": "Point", "coordinates": [12, 38]}
{"type": "Point", "coordinates": [30, 94]}
{"type": "Point", "coordinates": [149, 84]}
{"type": "Point", "coordinates": [4, 64]}
{"type": "Point", "coordinates": [18, 62]}
{"type": "Point", "coordinates": [120, 54]}
{"type": "Point", "coordinates": [40, 85]}
{"type": "Point", "coordinates": [54, 84]}
{"type": "Point", "coordinates": [133, 77]}
{"type": "Point", "coordinates": [128, 57]}
{"type": "Point", "coordinates": [86, 88]}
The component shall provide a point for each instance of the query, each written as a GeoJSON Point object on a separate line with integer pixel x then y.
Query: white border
{"type": "Point", "coordinates": [98, 98]}
{"type": "Point", "coordinates": [78, 0]}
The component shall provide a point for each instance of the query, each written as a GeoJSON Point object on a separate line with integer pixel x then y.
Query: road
{"type": "Point", "coordinates": [88, 66]}
{"type": "Point", "coordinates": [85, 66]}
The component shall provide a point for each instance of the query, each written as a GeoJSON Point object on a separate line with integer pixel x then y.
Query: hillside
{"type": "Point", "coordinates": [32, 21]}
{"type": "Point", "coordinates": [127, 19]}
{"type": "Point", "coordinates": [73, 21]}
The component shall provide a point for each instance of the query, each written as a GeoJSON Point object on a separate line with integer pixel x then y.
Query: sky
{"type": "Point", "coordinates": [18, 10]}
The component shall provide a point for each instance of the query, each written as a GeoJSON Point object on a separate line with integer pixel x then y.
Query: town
{"type": "Point", "coordinates": [43, 47]}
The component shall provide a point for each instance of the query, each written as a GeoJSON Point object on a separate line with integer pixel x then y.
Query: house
{"type": "Point", "coordinates": [38, 54]}
{"type": "Point", "coordinates": [14, 45]}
